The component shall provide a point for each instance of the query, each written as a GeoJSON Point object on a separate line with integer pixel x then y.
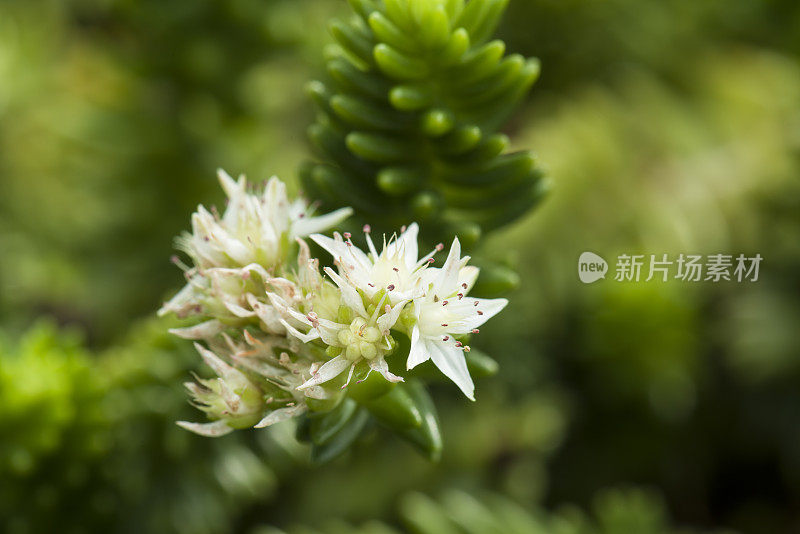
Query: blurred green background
{"type": "Point", "coordinates": [666, 127]}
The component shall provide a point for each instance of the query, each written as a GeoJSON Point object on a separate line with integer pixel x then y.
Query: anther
{"type": "Point", "coordinates": [480, 312]}
{"type": "Point", "coordinates": [476, 331]}
{"type": "Point", "coordinates": [444, 303]}
{"type": "Point", "coordinates": [466, 349]}
{"type": "Point", "coordinates": [464, 285]}
{"type": "Point", "coordinates": [439, 247]}
{"type": "Point", "coordinates": [459, 344]}
{"type": "Point", "coordinates": [390, 287]}
{"type": "Point", "coordinates": [475, 303]}
{"type": "Point", "coordinates": [367, 229]}
{"type": "Point", "coordinates": [444, 324]}
{"type": "Point", "coordinates": [460, 296]}
{"type": "Point", "coordinates": [403, 229]}
{"type": "Point", "coordinates": [395, 269]}
{"type": "Point", "coordinates": [445, 338]}
{"type": "Point", "coordinates": [347, 235]}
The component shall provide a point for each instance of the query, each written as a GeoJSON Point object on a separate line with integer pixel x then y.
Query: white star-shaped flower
{"type": "Point", "coordinates": [444, 311]}
{"type": "Point", "coordinates": [248, 241]}
{"type": "Point", "coordinates": [366, 338]}
{"type": "Point", "coordinates": [254, 227]}
{"type": "Point", "coordinates": [396, 269]}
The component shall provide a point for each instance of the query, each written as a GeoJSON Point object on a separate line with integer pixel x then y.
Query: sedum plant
{"type": "Point", "coordinates": [406, 132]}
{"type": "Point", "coordinates": [408, 118]}
{"type": "Point", "coordinates": [286, 341]}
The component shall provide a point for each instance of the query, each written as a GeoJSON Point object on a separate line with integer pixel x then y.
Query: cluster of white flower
{"type": "Point", "coordinates": [279, 333]}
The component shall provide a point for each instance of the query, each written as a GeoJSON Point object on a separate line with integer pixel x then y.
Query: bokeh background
{"type": "Point", "coordinates": [619, 408]}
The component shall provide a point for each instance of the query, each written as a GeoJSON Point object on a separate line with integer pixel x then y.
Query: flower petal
{"type": "Point", "coordinates": [203, 330]}
{"type": "Point", "coordinates": [210, 430]}
{"type": "Point", "coordinates": [406, 245]}
{"type": "Point", "coordinates": [215, 362]}
{"type": "Point", "coordinates": [451, 362]}
{"type": "Point", "coordinates": [281, 414]}
{"type": "Point", "coordinates": [467, 310]}
{"type": "Point", "coordinates": [181, 303]}
{"type": "Point", "coordinates": [330, 370]}
{"type": "Point", "coordinates": [342, 251]}
{"type": "Point", "coordinates": [468, 275]}
{"type": "Point", "coordinates": [380, 365]}
{"type": "Point", "coordinates": [312, 225]}
{"type": "Point", "coordinates": [419, 352]}
{"type": "Point", "coordinates": [305, 338]}
{"type": "Point", "coordinates": [350, 295]}
{"type": "Point", "coordinates": [387, 320]}
{"type": "Point", "coordinates": [446, 283]}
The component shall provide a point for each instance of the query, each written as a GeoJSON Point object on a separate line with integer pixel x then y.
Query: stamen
{"type": "Point", "coordinates": [466, 348]}
{"type": "Point", "coordinates": [347, 235]}
{"type": "Point", "coordinates": [349, 376]}
{"type": "Point", "coordinates": [445, 338]}
{"type": "Point", "coordinates": [459, 344]}
{"type": "Point", "coordinates": [378, 309]}
{"type": "Point", "coordinates": [444, 303]}
{"type": "Point", "coordinates": [464, 285]}
{"type": "Point", "coordinates": [367, 229]}
{"type": "Point", "coordinates": [480, 312]}
{"type": "Point", "coordinates": [444, 324]}
{"type": "Point", "coordinates": [476, 331]}
{"type": "Point", "coordinates": [390, 287]}
{"type": "Point", "coordinates": [475, 303]}
{"type": "Point", "coordinates": [439, 247]}
{"type": "Point", "coordinates": [460, 296]}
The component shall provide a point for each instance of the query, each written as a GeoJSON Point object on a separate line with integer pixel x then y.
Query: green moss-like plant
{"type": "Point", "coordinates": [408, 119]}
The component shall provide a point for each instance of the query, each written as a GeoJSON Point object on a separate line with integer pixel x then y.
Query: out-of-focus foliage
{"type": "Point", "coordinates": [90, 445]}
{"type": "Point", "coordinates": [676, 383]}
{"type": "Point", "coordinates": [613, 512]}
{"type": "Point", "coordinates": [667, 127]}
{"type": "Point", "coordinates": [113, 118]}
